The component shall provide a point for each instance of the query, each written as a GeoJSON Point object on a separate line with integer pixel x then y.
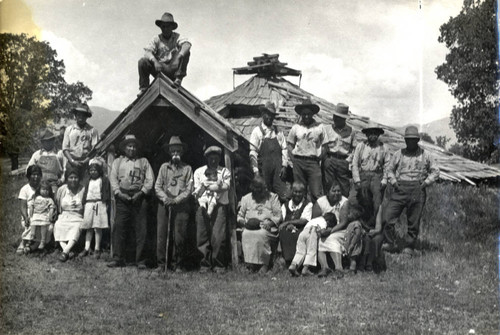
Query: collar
{"type": "Point", "coordinates": [173, 167]}
{"type": "Point", "coordinates": [292, 205]}
{"type": "Point", "coordinates": [312, 125]}
{"type": "Point", "coordinates": [86, 126]}
{"type": "Point", "coordinates": [53, 151]}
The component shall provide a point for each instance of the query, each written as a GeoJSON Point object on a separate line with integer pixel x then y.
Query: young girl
{"type": "Point", "coordinates": [41, 209]}
{"type": "Point", "coordinates": [96, 200]}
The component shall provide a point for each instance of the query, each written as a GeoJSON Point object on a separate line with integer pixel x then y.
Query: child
{"type": "Point", "coordinates": [354, 236]}
{"type": "Point", "coordinates": [96, 200]}
{"type": "Point", "coordinates": [307, 243]}
{"type": "Point", "coordinates": [41, 209]}
{"type": "Point", "coordinates": [206, 198]}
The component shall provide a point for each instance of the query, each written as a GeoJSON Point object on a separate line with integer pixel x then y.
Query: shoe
{"type": "Point", "coordinates": [26, 250]}
{"type": "Point", "coordinates": [324, 272]}
{"type": "Point", "coordinates": [348, 272]}
{"type": "Point", "coordinates": [71, 255]}
{"type": "Point", "coordinates": [368, 268]}
{"type": "Point", "coordinates": [177, 82]}
{"type": "Point", "coordinates": [337, 275]}
{"type": "Point", "coordinates": [391, 248]}
{"type": "Point", "coordinates": [64, 257]}
{"type": "Point", "coordinates": [97, 254]}
{"type": "Point", "coordinates": [141, 92]}
{"type": "Point", "coordinates": [141, 266]}
{"type": "Point", "coordinates": [293, 270]}
{"type": "Point", "coordinates": [218, 269]}
{"type": "Point", "coordinates": [83, 253]}
{"type": "Point", "coordinates": [204, 269]}
{"type": "Point", "coordinates": [306, 272]}
{"type": "Point", "coordinates": [263, 270]}
{"type": "Point", "coordinates": [115, 264]}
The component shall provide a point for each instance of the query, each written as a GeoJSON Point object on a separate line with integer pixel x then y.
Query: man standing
{"type": "Point", "coordinates": [51, 161]}
{"type": "Point", "coordinates": [268, 152]}
{"type": "Point", "coordinates": [304, 148]}
{"type": "Point", "coordinates": [411, 171]}
{"type": "Point", "coordinates": [341, 145]}
{"type": "Point", "coordinates": [211, 230]}
{"type": "Point", "coordinates": [79, 139]}
{"type": "Point", "coordinates": [369, 165]}
{"type": "Point", "coordinates": [173, 188]}
{"type": "Point", "coordinates": [166, 53]}
{"type": "Point", "coordinates": [131, 181]}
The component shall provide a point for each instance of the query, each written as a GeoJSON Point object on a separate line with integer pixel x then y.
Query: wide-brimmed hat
{"type": "Point", "coordinates": [341, 110]}
{"type": "Point", "coordinates": [269, 107]}
{"type": "Point", "coordinates": [307, 104]}
{"type": "Point", "coordinates": [213, 150]}
{"type": "Point", "coordinates": [176, 141]}
{"type": "Point", "coordinates": [372, 126]}
{"type": "Point", "coordinates": [167, 18]}
{"type": "Point", "coordinates": [412, 132]}
{"type": "Point", "coordinates": [129, 139]}
{"type": "Point", "coordinates": [82, 108]}
{"type": "Point", "coordinates": [46, 135]}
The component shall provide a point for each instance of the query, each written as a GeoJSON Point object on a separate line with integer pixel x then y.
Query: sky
{"type": "Point", "coordinates": [378, 57]}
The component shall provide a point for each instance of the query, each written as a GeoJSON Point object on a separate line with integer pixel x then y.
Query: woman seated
{"type": "Point", "coordinates": [259, 215]}
{"type": "Point", "coordinates": [70, 208]}
{"type": "Point", "coordinates": [332, 239]}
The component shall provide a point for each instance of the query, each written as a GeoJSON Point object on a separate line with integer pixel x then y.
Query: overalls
{"type": "Point", "coordinates": [270, 163]}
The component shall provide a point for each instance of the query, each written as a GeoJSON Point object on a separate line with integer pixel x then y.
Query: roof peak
{"type": "Point", "coordinates": [267, 65]}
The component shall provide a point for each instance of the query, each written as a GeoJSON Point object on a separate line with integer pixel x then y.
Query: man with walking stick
{"type": "Point", "coordinates": [173, 188]}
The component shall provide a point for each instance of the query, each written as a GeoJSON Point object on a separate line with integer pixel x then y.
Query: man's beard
{"type": "Point", "coordinates": [176, 160]}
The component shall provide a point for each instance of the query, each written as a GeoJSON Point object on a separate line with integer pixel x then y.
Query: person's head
{"type": "Point", "coordinates": [340, 115]}
{"type": "Point", "coordinates": [331, 219]}
{"type": "Point", "coordinates": [298, 192]}
{"type": "Point", "coordinates": [166, 24]}
{"type": "Point", "coordinates": [334, 194]}
{"type": "Point", "coordinates": [95, 168]}
{"type": "Point", "coordinates": [45, 190]}
{"type": "Point", "coordinates": [34, 175]}
{"type": "Point", "coordinates": [268, 112]}
{"type": "Point", "coordinates": [47, 140]}
{"type": "Point", "coordinates": [412, 137]}
{"type": "Point", "coordinates": [130, 146]}
{"type": "Point", "coordinates": [213, 155]}
{"type": "Point", "coordinates": [372, 135]}
{"type": "Point", "coordinates": [306, 110]}
{"type": "Point", "coordinates": [82, 112]}
{"type": "Point", "coordinates": [211, 174]}
{"type": "Point", "coordinates": [355, 213]}
{"type": "Point", "coordinates": [258, 188]}
{"type": "Point", "coordinates": [72, 177]}
{"type": "Point", "coordinates": [176, 149]}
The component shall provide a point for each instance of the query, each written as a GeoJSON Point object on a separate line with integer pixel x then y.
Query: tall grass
{"type": "Point", "coordinates": [450, 288]}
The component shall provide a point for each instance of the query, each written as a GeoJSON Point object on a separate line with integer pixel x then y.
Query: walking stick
{"type": "Point", "coordinates": [168, 236]}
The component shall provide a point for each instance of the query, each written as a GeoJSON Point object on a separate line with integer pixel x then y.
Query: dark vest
{"type": "Point", "coordinates": [295, 215]}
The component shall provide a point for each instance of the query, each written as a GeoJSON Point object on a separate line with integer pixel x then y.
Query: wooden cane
{"type": "Point", "coordinates": [168, 236]}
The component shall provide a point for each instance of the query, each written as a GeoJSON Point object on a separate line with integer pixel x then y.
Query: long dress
{"type": "Point", "coordinates": [70, 207]}
{"type": "Point", "coordinates": [257, 244]}
{"type": "Point", "coordinates": [334, 242]}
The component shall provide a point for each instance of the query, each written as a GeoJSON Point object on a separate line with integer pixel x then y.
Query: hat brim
{"type": "Point", "coordinates": [182, 145]}
{"type": "Point", "coordinates": [345, 116]}
{"type": "Point", "coordinates": [81, 110]}
{"type": "Point", "coordinates": [174, 24]}
{"type": "Point", "coordinates": [212, 152]}
{"type": "Point", "coordinates": [312, 107]}
{"type": "Point", "coordinates": [124, 143]}
{"type": "Point", "coordinates": [380, 131]}
{"type": "Point", "coordinates": [413, 136]}
{"type": "Point", "coordinates": [267, 110]}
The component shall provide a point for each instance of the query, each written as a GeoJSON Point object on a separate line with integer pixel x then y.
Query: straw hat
{"type": "Point", "coordinates": [269, 107]}
{"type": "Point", "coordinates": [82, 108]}
{"type": "Point", "coordinates": [341, 110]}
{"type": "Point", "coordinates": [46, 135]}
{"type": "Point", "coordinates": [213, 150]}
{"type": "Point", "coordinates": [412, 132]}
{"type": "Point", "coordinates": [175, 141]}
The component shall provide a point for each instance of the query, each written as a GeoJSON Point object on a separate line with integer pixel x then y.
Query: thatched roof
{"type": "Point", "coordinates": [240, 107]}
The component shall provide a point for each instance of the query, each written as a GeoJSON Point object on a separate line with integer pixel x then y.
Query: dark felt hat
{"type": "Point", "coordinates": [129, 139]}
{"type": "Point", "coordinates": [307, 104]}
{"type": "Point", "coordinates": [176, 141]}
{"type": "Point", "coordinates": [167, 18]}
{"type": "Point", "coordinates": [341, 110]}
{"type": "Point", "coordinates": [269, 107]}
{"type": "Point", "coordinates": [372, 126]}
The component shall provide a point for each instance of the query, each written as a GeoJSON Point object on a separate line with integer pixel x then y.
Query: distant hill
{"type": "Point", "coordinates": [102, 118]}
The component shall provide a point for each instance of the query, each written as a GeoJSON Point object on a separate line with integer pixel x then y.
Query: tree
{"type": "Point", "coordinates": [32, 90]}
{"type": "Point", "coordinates": [442, 141]}
{"type": "Point", "coordinates": [471, 72]}
{"type": "Point", "coordinates": [426, 137]}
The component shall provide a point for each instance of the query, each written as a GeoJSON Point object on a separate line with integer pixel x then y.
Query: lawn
{"type": "Point", "coordinates": [451, 287]}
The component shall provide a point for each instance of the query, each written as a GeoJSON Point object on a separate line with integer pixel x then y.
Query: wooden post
{"type": "Point", "coordinates": [232, 208]}
{"type": "Point", "coordinates": [110, 158]}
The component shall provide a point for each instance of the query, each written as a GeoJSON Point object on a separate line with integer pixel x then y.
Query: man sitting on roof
{"type": "Point", "coordinates": [166, 53]}
{"type": "Point", "coordinates": [268, 152]}
{"type": "Point", "coordinates": [410, 171]}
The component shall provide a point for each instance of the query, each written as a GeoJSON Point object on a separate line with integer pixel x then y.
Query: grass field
{"type": "Point", "coordinates": [450, 288]}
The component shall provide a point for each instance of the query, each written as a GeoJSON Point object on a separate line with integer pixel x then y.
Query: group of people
{"type": "Point", "coordinates": [70, 193]}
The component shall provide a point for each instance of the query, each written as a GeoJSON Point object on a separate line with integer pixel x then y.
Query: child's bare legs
{"type": "Point", "coordinates": [337, 260]}
{"type": "Point", "coordinates": [43, 237]}
{"type": "Point", "coordinates": [98, 239]}
{"type": "Point", "coordinates": [67, 246]}
{"type": "Point", "coordinates": [323, 262]}
{"type": "Point", "coordinates": [336, 257]}
{"type": "Point", "coordinates": [88, 239]}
